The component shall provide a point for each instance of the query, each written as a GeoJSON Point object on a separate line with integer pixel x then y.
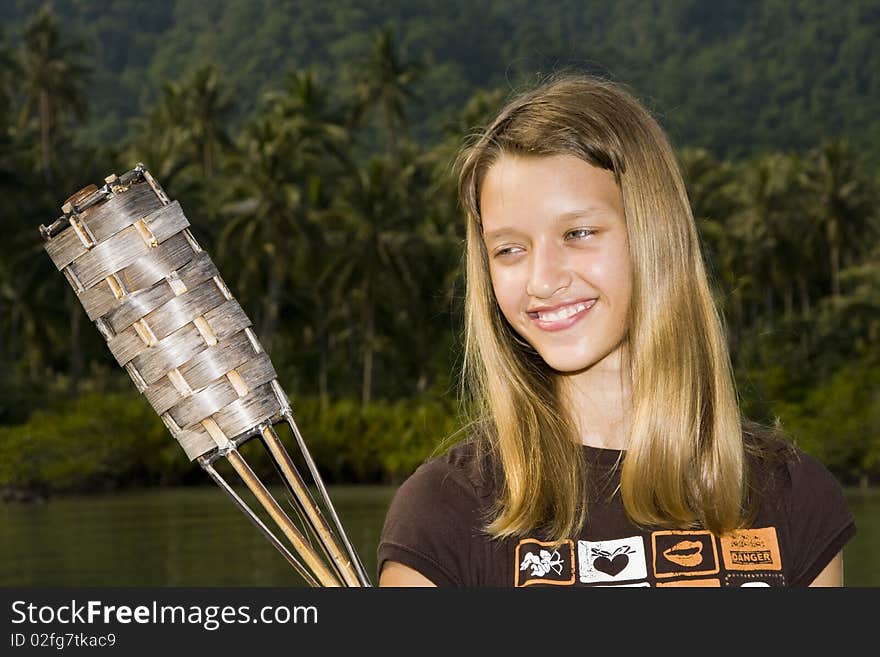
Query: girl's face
{"type": "Point", "coordinates": [555, 234]}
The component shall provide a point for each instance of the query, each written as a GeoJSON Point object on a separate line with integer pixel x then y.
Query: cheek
{"type": "Point", "coordinates": [616, 277]}
{"type": "Point", "coordinates": [508, 290]}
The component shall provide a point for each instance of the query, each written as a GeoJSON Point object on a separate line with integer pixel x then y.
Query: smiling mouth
{"type": "Point", "coordinates": [561, 317]}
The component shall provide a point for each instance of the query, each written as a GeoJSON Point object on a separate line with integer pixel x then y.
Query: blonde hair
{"type": "Point", "coordinates": [685, 461]}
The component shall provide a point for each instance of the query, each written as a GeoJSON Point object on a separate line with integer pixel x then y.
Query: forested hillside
{"type": "Point", "coordinates": [311, 147]}
{"type": "Point", "coordinates": [733, 76]}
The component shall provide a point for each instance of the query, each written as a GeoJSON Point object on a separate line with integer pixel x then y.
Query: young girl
{"type": "Point", "coordinates": [607, 446]}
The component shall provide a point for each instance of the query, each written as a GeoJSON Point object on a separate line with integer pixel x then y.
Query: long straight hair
{"type": "Point", "coordinates": [685, 462]}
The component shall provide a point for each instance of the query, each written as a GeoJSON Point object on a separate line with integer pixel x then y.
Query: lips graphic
{"type": "Point", "coordinates": [685, 553]}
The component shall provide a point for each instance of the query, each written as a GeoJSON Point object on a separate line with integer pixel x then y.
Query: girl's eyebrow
{"type": "Point", "coordinates": [591, 211]}
{"type": "Point", "coordinates": [497, 234]}
{"type": "Point", "coordinates": [565, 217]}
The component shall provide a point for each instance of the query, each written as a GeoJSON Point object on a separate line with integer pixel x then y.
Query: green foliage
{"type": "Point", "coordinates": [106, 442]}
{"type": "Point", "coordinates": [381, 442]}
{"type": "Point", "coordinates": [839, 421]}
{"type": "Point", "coordinates": [732, 76]}
{"type": "Point", "coordinates": [97, 442]}
{"type": "Point", "coordinates": [317, 170]}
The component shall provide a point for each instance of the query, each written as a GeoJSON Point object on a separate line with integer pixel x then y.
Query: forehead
{"type": "Point", "coordinates": [519, 190]}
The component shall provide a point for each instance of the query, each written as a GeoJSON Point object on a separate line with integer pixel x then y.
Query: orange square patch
{"type": "Point", "coordinates": [686, 553]}
{"type": "Point", "coordinates": [751, 549]}
{"type": "Point", "coordinates": [712, 582]}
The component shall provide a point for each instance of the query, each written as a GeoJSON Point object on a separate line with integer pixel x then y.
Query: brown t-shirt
{"type": "Point", "coordinates": [435, 521]}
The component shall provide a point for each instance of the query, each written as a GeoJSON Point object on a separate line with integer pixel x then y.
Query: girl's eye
{"type": "Point", "coordinates": [507, 250]}
{"type": "Point", "coordinates": [579, 233]}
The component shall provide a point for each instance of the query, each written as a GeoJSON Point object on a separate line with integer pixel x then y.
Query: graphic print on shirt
{"type": "Point", "coordinates": [684, 553]}
{"type": "Point", "coordinates": [618, 560]}
{"type": "Point", "coordinates": [751, 549]}
{"type": "Point", "coordinates": [620, 586]}
{"type": "Point", "coordinates": [713, 582]}
{"type": "Point", "coordinates": [754, 579]}
{"type": "Point", "coordinates": [539, 562]}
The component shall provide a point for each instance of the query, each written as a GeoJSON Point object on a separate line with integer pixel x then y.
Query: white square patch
{"type": "Point", "coordinates": [618, 560]}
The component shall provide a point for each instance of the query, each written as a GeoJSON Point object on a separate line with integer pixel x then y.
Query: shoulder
{"type": "Point", "coordinates": [434, 517]}
{"type": "Point", "coordinates": [455, 473]}
{"type": "Point", "coordinates": [783, 470]}
{"type": "Point", "coordinates": [817, 497]}
{"type": "Point", "coordinates": [808, 505]}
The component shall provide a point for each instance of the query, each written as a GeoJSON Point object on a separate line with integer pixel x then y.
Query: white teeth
{"type": "Point", "coordinates": [566, 312]}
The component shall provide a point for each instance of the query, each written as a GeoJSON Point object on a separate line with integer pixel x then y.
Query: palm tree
{"type": "Point", "coordinates": [384, 79]}
{"type": "Point", "coordinates": [440, 226]}
{"type": "Point", "coordinates": [264, 218]}
{"type": "Point", "coordinates": [708, 185]}
{"type": "Point", "coordinates": [54, 80]}
{"type": "Point", "coordinates": [370, 249]}
{"type": "Point", "coordinates": [9, 72]}
{"type": "Point", "coordinates": [278, 190]}
{"type": "Point", "coordinates": [32, 321]}
{"type": "Point", "coordinates": [47, 77]}
{"type": "Point", "coordinates": [843, 205]}
{"type": "Point", "coordinates": [184, 136]}
{"type": "Point", "coordinates": [160, 138]}
{"type": "Point", "coordinates": [773, 223]}
{"type": "Point", "coordinates": [209, 108]}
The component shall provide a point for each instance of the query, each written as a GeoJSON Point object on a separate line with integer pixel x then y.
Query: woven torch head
{"type": "Point", "coordinates": [165, 312]}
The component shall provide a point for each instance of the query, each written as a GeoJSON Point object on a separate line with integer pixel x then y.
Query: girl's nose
{"type": "Point", "coordinates": [548, 273]}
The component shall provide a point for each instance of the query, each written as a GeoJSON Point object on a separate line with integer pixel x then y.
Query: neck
{"type": "Point", "coordinates": [599, 400]}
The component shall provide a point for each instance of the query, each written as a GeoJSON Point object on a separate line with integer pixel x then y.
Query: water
{"type": "Point", "coordinates": [861, 556]}
{"type": "Point", "coordinates": [165, 537]}
{"type": "Point", "coordinates": [196, 537]}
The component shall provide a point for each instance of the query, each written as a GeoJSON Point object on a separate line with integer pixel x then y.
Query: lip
{"type": "Point", "coordinates": [560, 324]}
{"type": "Point", "coordinates": [685, 553]}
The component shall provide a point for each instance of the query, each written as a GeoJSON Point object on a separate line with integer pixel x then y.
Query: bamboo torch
{"type": "Point", "coordinates": [169, 319]}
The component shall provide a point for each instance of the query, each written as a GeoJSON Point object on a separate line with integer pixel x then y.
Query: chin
{"type": "Point", "coordinates": [571, 369]}
{"type": "Point", "coordinates": [568, 365]}
{"type": "Point", "coordinates": [573, 361]}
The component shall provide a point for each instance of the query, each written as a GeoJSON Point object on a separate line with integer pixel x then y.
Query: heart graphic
{"type": "Point", "coordinates": [611, 566]}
